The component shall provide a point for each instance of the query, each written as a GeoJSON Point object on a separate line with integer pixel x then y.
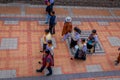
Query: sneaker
{"type": "Point", "coordinates": [48, 74]}
{"type": "Point", "coordinates": [41, 51]}
{"type": "Point", "coordinates": [38, 70]}
{"type": "Point", "coordinates": [39, 62]}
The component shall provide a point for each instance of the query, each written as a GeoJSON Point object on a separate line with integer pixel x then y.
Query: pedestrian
{"type": "Point", "coordinates": [52, 23]}
{"type": "Point", "coordinates": [67, 28]}
{"type": "Point", "coordinates": [47, 36]}
{"type": "Point", "coordinates": [118, 58]}
{"type": "Point", "coordinates": [50, 47]}
{"type": "Point", "coordinates": [48, 11]}
{"type": "Point", "coordinates": [75, 37]}
{"type": "Point", "coordinates": [47, 62]}
{"type": "Point", "coordinates": [92, 41]}
{"type": "Point", "coordinates": [51, 2]}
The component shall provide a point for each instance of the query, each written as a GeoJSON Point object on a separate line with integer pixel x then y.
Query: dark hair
{"type": "Point", "coordinates": [49, 41]}
{"type": "Point", "coordinates": [47, 51]}
{"type": "Point", "coordinates": [77, 30]}
{"type": "Point", "coordinates": [83, 39]}
{"type": "Point", "coordinates": [53, 12]}
{"type": "Point", "coordinates": [47, 30]}
{"type": "Point", "coordinates": [94, 31]}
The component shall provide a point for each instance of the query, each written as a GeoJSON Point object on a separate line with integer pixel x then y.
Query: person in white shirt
{"type": "Point", "coordinates": [47, 36]}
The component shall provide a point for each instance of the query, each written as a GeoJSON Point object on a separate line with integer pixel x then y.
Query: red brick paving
{"type": "Point", "coordinates": [91, 12]}
{"type": "Point", "coordinates": [25, 58]}
{"type": "Point", "coordinates": [117, 12]}
{"type": "Point", "coordinates": [34, 11]}
{"type": "Point", "coordinates": [9, 10]}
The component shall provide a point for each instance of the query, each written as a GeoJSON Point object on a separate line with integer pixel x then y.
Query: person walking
{"type": "Point", "coordinates": [50, 47]}
{"type": "Point", "coordinates": [51, 2]}
{"type": "Point", "coordinates": [47, 62]}
{"type": "Point", "coordinates": [67, 28]}
{"type": "Point", "coordinates": [47, 36]}
{"type": "Point", "coordinates": [52, 23]}
{"type": "Point", "coordinates": [48, 11]}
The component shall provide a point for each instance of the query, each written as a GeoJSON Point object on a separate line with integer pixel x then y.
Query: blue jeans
{"type": "Point", "coordinates": [47, 18]}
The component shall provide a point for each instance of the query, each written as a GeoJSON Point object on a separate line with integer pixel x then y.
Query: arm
{"type": "Point", "coordinates": [76, 37]}
{"type": "Point", "coordinates": [96, 39]}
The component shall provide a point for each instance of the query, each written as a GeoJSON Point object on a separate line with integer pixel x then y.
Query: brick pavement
{"type": "Point", "coordinates": [21, 55]}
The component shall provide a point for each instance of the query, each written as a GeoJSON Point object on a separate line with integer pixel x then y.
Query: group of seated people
{"type": "Point", "coordinates": [81, 45]}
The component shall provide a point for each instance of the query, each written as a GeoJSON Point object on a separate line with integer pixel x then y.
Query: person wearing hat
{"type": "Point", "coordinates": [92, 41]}
{"type": "Point", "coordinates": [47, 62]}
{"type": "Point", "coordinates": [47, 36]}
{"type": "Point", "coordinates": [67, 28]}
{"type": "Point", "coordinates": [75, 37]}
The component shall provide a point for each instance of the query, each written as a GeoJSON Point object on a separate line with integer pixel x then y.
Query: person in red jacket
{"type": "Point", "coordinates": [47, 62]}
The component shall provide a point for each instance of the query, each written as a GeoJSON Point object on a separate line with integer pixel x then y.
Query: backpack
{"type": "Point", "coordinates": [80, 55]}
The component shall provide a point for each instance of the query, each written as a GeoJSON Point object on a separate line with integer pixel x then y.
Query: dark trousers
{"type": "Point", "coordinates": [73, 43]}
{"type": "Point", "coordinates": [44, 47]}
{"type": "Point", "coordinates": [52, 29]}
{"type": "Point", "coordinates": [48, 68]}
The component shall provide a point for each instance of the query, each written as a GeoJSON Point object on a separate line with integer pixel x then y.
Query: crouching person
{"type": "Point", "coordinates": [75, 37]}
{"type": "Point", "coordinates": [92, 41]}
{"type": "Point", "coordinates": [47, 62]}
{"type": "Point", "coordinates": [81, 50]}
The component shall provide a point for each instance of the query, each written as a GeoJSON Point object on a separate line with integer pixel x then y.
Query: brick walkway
{"type": "Point", "coordinates": [21, 29]}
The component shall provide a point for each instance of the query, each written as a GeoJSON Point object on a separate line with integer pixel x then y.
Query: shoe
{"type": "Point", "coordinates": [41, 51]}
{"type": "Point", "coordinates": [39, 62]}
{"type": "Point", "coordinates": [71, 58]}
{"type": "Point", "coordinates": [38, 70]}
{"type": "Point", "coordinates": [48, 74]}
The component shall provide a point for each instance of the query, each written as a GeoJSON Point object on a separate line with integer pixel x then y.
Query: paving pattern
{"type": "Point", "coordinates": [8, 43]}
{"type": "Point", "coordinates": [21, 30]}
{"type": "Point", "coordinates": [115, 41]}
{"type": "Point", "coordinates": [8, 74]}
{"type": "Point", "coordinates": [85, 34]}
